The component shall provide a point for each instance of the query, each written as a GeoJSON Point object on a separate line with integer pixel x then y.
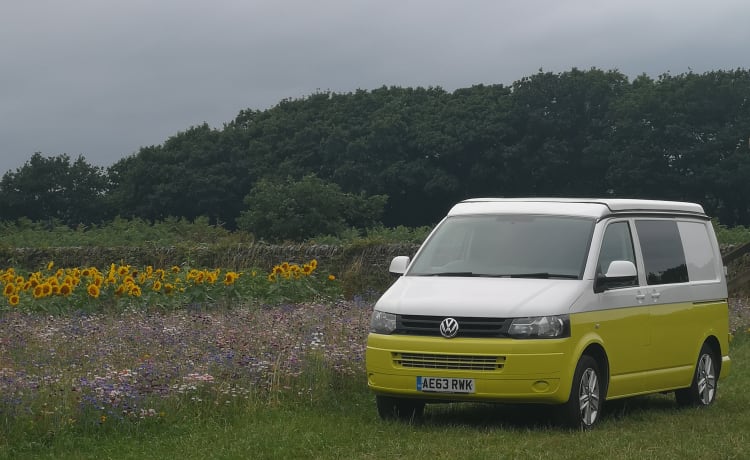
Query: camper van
{"type": "Point", "coordinates": [563, 302]}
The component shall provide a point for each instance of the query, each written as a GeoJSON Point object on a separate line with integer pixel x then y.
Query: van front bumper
{"type": "Point", "coordinates": [503, 370]}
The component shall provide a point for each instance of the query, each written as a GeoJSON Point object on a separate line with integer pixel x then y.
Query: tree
{"type": "Point", "coordinates": [297, 210]}
{"type": "Point", "coordinates": [54, 188]}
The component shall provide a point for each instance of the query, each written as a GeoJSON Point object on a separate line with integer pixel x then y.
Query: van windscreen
{"type": "Point", "coordinates": [506, 245]}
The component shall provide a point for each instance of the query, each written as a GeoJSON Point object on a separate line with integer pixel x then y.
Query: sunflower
{"type": "Point", "coordinates": [93, 290]}
{"type": "Point", "coordinates": [230, 278]}
{"type": "Point", "coordinates": [66, 289]}
{"type": "Point", "coordinates": [14, 299]}
{"type": "Point", "coordinates": [135, 291]}
{"type": "Point", "coordinates": [9, 290]}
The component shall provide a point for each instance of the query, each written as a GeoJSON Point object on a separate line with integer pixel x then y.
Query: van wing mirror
{"type": "Point", "coordinates": [620, 273]}
{"type": "Point", "coordinates": [398, 265]}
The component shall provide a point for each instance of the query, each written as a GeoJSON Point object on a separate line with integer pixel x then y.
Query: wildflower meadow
{"type": "Point", "coordinates": [85, 348]}
{"type": "Point", "coordinates": [224, 363]}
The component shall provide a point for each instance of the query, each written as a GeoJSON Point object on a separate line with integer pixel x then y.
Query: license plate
{"type": "Point", "coordinates": [445, 385]}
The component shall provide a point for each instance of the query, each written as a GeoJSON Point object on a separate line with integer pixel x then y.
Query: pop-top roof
{"type": "Point", "coordinates": [589, 207]}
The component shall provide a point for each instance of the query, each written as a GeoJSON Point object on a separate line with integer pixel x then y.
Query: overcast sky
{"type": "Point", "coordinates": [102, 78]}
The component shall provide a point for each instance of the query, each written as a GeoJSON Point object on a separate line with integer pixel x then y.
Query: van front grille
{"type": "Point", "coordinates": [467, 326]}
{"type": "Point", "coordinates": [457, 362]}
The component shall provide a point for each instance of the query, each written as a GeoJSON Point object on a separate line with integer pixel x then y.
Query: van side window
{"type": "Point", "coordinates": [701, 260]}
{"type": "Point", "coordinates": [663, 255]}
{"type": "Point", "coordinates": [617, 244]}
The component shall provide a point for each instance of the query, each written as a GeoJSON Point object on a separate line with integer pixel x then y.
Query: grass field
{"type": "Point", "coordinates": [209, 385]}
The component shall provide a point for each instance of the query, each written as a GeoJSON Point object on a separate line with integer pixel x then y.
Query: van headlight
{"type": "Point", "coordinates": [540, 327]}
{"type": "Point", "coordinates": [382, 322]}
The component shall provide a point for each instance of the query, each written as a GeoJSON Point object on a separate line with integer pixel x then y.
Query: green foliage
{"type": "Point", "coordinates": [54, 189]}
{"type": "Point", "coordinates": [734, 235]}
{"type": "Point", "coordinates": [172, 231]}
{"type": "Point", "coordinates": [298, 210]}
{"type": "Point", "coordinates": [574, 133]}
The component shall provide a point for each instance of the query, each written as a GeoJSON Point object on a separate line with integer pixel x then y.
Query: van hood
{"type": "Point", "coordinates": [480, 297]}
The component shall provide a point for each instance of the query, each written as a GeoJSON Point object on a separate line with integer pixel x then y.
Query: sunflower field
{"type": "Point", "coordinates": [122, 286]}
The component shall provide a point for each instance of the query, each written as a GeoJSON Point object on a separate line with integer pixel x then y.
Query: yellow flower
{"type": "Point", "coordinates": [9, 290]}
{"type": "Point", "coordinates": [135, 291]}
{"type": "Point", "coordinates": [272, 277]}
{"type": "Point", "coordinates": [168, 288]}
{"type": "Point", "coordinates": [175, 269]}
{"type": "Point", "coordinates": [331, 278]}
{"type": "Point", "coordinates": [103, 418]}
{"type": "Point", "coordinates": [14, 299]}
{"type": "Point", "coordinates": [93, 290]}
{"type": "Point", "coordinates": [230, 278]}
{"type": "Point", "coordinates": [50, 265]}
{"type": "Point", "coordinates": [66, 289]}
{"type": "Point", "coordinates": [157, 285]}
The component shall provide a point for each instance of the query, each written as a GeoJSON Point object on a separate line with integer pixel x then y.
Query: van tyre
{"type": "Point", "coordinates": [702, 390]}
{"type": "Point", "coordinates": [583, 409]}
{"type": "Point", "coordinates": [390, 408]}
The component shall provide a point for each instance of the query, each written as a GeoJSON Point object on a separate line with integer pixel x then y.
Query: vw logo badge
{"type": "Point", "coordinates": [449, 328]}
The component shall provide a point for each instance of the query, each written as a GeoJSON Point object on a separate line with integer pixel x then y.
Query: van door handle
{"type": "Point", "coordinates": [655, 295]}
{"type": "Point", "coordinates": [640, 297]}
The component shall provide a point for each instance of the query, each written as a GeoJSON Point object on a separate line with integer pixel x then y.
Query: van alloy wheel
{"type": "Point", "coordinates": [584, 405]}
{"type": "Point", "coordinates": [588, 397]}
{"type": "Point", "coordinates": [706, 379]}
{"type": "Point", "coordinates": [702, 390]}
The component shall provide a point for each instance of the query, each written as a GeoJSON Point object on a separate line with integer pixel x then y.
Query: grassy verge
{"type": "Point", "coordinates": [338, 420]}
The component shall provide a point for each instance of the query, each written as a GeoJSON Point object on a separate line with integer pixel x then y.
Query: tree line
{"type": "Point", "coordinates": [402, 156]}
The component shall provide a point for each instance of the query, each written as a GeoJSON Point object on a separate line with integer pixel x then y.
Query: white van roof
{"type": "Point", "coordinates": [586, 207]}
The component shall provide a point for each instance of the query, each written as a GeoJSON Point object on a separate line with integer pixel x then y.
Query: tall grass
{"type": "Point", "coordinates": [336, 419]}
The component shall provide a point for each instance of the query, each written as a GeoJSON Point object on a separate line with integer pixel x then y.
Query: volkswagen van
{"type": "Point", "coordinates": [564, 302]}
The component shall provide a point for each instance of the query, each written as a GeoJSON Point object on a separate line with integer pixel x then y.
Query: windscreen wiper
{"type": "Point", "coordinates": [543, 275]}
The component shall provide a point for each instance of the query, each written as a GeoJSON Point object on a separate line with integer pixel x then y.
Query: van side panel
{"type": "Point", "coordinates": [624, 334]}
{"type": "Point", "coordinates": [680, 331]}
